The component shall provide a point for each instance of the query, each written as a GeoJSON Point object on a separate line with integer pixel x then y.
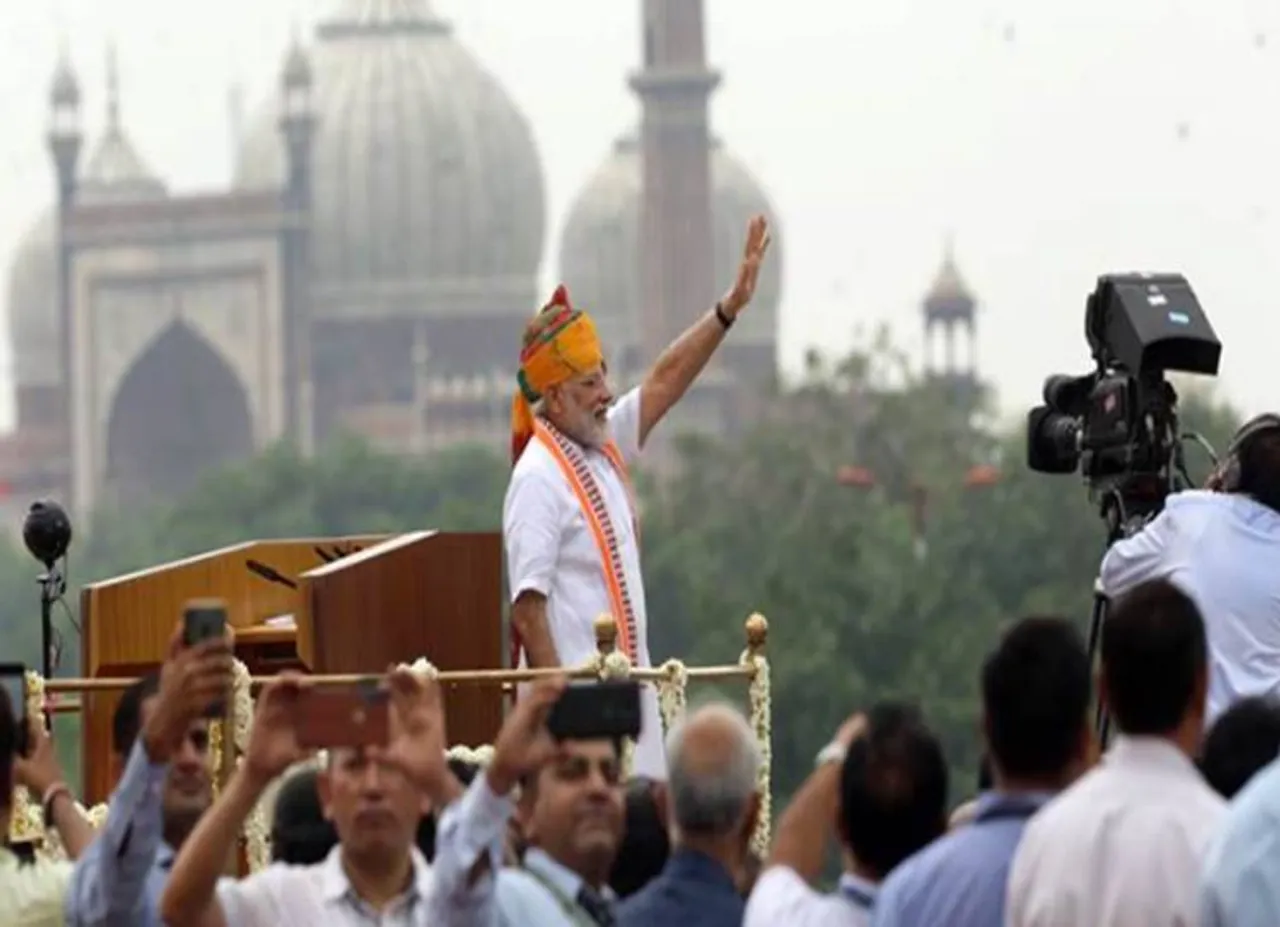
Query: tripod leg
{"type": "Point", "coordinates": [1101, 723]}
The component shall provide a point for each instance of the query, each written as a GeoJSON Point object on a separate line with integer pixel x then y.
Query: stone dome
{"type": "Point", "coordinates": [33, 306]}
{"type": "Point", "coordinates": [114, 172]}
{"type": "Point", "coordinates": [599, 250]}
{"type": "Point", "coordinates": [424, 171]}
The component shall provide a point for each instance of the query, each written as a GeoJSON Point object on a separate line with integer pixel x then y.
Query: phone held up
{"type": "Point", "coordinates": [13, 677]}
{"type": "Point", "coordinates": [608, 710]}
{"type": "Point", "coordinates": [202, 620]}
{"type": "Point", "coordinates": [350, 715]}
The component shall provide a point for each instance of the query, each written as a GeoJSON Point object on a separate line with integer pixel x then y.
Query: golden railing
{"type": "Point", "coordinates": [671, 679]}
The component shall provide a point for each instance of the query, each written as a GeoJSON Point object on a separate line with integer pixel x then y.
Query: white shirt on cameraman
{"type": "Point", "coordinates": [1223, 550]}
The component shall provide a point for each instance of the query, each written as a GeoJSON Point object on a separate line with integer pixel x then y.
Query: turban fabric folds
{"type": "Point", "coordinates": [560, 343]}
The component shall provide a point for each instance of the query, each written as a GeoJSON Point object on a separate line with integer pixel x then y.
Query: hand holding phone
{"type": "Point", "coordinates": [608, 710]}
{"type": "Point", "coordinates": [205, 620]}
{"type": "Point", "coordinates": [354, 715]}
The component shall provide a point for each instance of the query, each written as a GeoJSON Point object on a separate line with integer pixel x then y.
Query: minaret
{"type": "Point", "coordinates": [298, 128]}
{"type": "Point", "coordinates": [65, 138]}
{"type": "Point", "coordinates": [950, 313]}
{"type": "Point", "coordinates": [674, 85]}
{"type": "Point", "coordinates": [113, 88]}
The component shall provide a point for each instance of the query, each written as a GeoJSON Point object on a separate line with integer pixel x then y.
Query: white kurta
{"type": "Point", "coordinates": [551, 550]}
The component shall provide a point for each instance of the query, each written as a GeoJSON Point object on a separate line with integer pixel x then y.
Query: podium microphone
{"type": "Point", "coordinates": [46, 531]}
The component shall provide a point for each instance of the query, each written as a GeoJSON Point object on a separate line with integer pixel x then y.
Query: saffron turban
{"type": "Point", "coordinates": [559, 344]}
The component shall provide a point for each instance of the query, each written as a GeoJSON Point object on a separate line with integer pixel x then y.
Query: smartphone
{"type": "Point", "coordinates": [597, 711]}
{"type": "Point", "coordinates": [347, 715]}
{"type": "Point", "coordinates": [202, 620]}
{"type": "Point", "coordinates": [13, 677]}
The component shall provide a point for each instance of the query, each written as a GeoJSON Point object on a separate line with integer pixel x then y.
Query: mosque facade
{"type": "Point", "coordinates": [370, 268]}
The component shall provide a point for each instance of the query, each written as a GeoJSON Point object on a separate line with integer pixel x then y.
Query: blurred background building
{"type": "Point", "coordinates": [372, 266]}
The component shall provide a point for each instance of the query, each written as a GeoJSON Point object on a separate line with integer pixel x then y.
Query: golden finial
{"type": "Point", "coordinates": [757, 633]}
{"type": "Point", "coordinates": [606, 634]}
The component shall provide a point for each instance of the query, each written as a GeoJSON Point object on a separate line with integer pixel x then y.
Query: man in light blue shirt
{"type": "Point", "coordinates": [1035, 703]}
{"type": "Point", "coordinates": [1241, 886]}
{"type": "Point", "coordinates": [1221, 546]}
{"type": "Point", "coordinates": [159, 734]}
{"type": "Point", "coordinates": [571, 807]}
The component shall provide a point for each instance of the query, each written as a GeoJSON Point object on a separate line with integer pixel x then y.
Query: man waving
{"type": "Point", "coordinates": [570, 522]}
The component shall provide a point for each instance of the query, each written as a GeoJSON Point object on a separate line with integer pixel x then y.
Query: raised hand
{"type": "Point", "coordinates": [39, 769]}
{"type": "Point", "coordinates": [524, 743]}
{"type": "Point", "coordinates": [1217, 478]}
{"type": "Point", "coordinates": [418, 742]}
{"type": "Point", "coordinates": [753, 252]}
{"type": "Point", "coordinates": [273, 741]}
{"type": "Point", "coordinates": [191, 679]}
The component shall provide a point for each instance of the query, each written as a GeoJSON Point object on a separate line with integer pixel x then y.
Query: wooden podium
{"type": "Point", "coordinates": [358, 604]}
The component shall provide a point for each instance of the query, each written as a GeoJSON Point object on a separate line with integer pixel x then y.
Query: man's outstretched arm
{"type": "Point", "coordinates": [679, 365]}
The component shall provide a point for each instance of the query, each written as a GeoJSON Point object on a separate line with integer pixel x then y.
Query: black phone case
{"type": "Point", "coordinates": [201, 624]}
{"type": "Point", "coordinates": [596, 711]}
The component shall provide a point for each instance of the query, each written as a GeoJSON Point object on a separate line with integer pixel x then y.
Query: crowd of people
{"type": "Point", "coordinates": [1174, 823]}
{"type": "Point", "coordinates": [1168, 826]}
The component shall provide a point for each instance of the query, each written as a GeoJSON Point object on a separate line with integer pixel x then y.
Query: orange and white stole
{"type": "Point", "coordinates": [572, 461]}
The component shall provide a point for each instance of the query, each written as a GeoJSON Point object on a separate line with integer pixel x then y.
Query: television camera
{"type": "Point", "coordinates": [1119, 424]}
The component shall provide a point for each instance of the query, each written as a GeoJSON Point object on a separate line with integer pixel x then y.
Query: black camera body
{"type": "Point", "coordinates": [1118, 426]}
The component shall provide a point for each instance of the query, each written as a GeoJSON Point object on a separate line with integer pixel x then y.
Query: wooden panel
{"type": "Point", "coordinates": [426, 594]}
{"type": "Point", "coordinates": [127, 621]}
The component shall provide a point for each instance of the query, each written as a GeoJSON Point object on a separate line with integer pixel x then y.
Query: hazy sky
{"type": "Point", "coordinates": [1056, 142]}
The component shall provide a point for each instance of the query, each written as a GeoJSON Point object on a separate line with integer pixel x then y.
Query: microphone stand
{"type": "Point", "coordinates": [53, 586]}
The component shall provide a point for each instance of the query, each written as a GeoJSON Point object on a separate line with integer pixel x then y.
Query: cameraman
{"type": "Point", "coordinates": [1221, 545]}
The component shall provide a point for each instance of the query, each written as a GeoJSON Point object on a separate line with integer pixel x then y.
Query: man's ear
{"type": "Point", "coordinates": [1090, 750]}
{"type": "Point", "coordinates": [1100, 687]}
{"type": "Point", "coordinates": [751, 819]}
{"type": "Point", "coordinates": [1201, 693]}
{"type": "Point", "coordinates": [324, 789]}
{"type": "Point", "coordinates": [662, 802]}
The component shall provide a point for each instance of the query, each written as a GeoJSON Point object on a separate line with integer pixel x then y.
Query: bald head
{"type": "Point", "coordinates": [713, 761]}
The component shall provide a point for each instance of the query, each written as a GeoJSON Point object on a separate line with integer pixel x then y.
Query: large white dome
{"type": "Point", "coordinates": [600, 247]}
{"type": "Point", "coordinates": [424, 169]}
{"type": "Point", "coordinates": [115, 172]}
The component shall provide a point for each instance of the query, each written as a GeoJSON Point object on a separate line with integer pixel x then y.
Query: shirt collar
{"type": "Point", "coordinates": [994, 805]}
{"type": "Point", "coordinates": [334, 884]}
{"type": "Point", "coordinates": [564, 879]}
{"type": "Point", "coordinates": [699, 866]}
{"type": "Point", "coordinates": [859, 892]}
{"type": "Point", "coordinates": [1156, 753]}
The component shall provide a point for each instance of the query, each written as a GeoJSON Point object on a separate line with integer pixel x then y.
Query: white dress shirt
{"type": "Point", "coordinates": [781, 897]}
{"type": "Point", "coordinates": [1223, 550]}
{"type": "Point", "coordinates": [32, 895]}
{"type": "Point", "coordinates": [321, 896]}
{"type": "Point", "coordinates": [551, 550]}
{"type": "Point", "coordinates": [541, 894]}
{"type": "Point", "coordinates": [1122, 847]}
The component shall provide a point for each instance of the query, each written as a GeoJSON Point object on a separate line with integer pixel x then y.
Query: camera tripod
{"type": "Point", "coordinates": [1101, 720]}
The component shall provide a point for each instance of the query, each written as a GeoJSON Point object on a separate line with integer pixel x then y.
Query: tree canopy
{"type": "Point", "coordinates": [762, 522]}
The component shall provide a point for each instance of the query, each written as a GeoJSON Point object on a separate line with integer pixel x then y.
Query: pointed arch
{"type": "Point", "coordinates": [180, 410]}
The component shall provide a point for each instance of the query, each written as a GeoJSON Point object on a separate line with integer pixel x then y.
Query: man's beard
{"type": "Point", "coordinates": [590, 429]}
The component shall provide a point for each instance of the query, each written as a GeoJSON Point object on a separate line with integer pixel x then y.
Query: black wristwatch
{"type": "Point", "coordinates": [723, 317]}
